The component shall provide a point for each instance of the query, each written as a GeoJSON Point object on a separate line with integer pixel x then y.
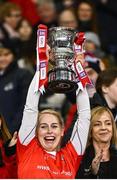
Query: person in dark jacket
{"type": "Point", "coordinates": [8, 163]}
{"type": "Point", "coordinates": [106, 91]}
{"type": "Point", "coordinates": [14, 83]}
{"type": "Point", "coordinates": [100, 158]}
{"type": "Point", "coordinates": [86, 14]}
{"type": "Point", "coordinates": [10, 15]}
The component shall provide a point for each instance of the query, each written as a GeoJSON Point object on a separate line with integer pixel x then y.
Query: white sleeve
{"type": "Point", "coordinates": [81, 127]}
{"type": "Point", "coordinates": [30, 115]}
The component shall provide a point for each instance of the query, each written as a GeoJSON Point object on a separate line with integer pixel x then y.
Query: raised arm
{"type": "Point", "coordinates": [30, 114]}
{"type": "Point", "coordinates": [81, 127]}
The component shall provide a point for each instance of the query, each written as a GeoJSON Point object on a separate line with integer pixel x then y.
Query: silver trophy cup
{"type": "Point", "coordinates": [61, 78]}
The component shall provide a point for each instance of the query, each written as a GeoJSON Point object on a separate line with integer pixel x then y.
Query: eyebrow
{"type": "Point", "coordinates": [108, 120]}
{"type": "Point", "coordinates": [105, 121]}
{"type": "Point", "coordinates": [47, 124]}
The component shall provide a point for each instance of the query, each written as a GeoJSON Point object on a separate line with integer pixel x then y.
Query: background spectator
{"type": "Point", "coordinates": [14, 83]}
{"type": "Point", "coordinates": [68, 18]}
{"type": "Point", "coordinates": [8, 165]}
{"type": "Point", "coordinates": [47, 12]}
{"type": "Point", "coordinates": [92, 68]}
{"type": "Point", "coordinates": [93, 46]}
{"type": "Point", "coordinates": [10, 15]}
{"type": "Point", "coordinates": [107, 24]}
{"type": "Point", "coordinates": [29, 10]}
{"type": "Point", "coordinates": [86, 16]}
{"type": "Point", "coordinates": [106, 87]}
{"type": "Point", "coordinates": [26, 45]}
{"type": "Point", "coordinates": [100, 159]}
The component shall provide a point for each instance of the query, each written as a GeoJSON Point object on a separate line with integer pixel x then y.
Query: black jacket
{"type": "Point", "coordinates": [14, 84]}
{"type": "Point", "coordinates": [98, 100]}
{"type": "Point", "coordinates": [107, 170]}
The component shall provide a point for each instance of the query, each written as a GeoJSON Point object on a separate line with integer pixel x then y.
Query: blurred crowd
{"type": "Point", "coordinates": [19, 20]}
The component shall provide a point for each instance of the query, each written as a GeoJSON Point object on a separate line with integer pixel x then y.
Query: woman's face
{"type": "Point", "coordinates": [110, 93]}
{"type": "Point", "coordinates": [49, 132]}
{"type": "Point", "coordinates": [68, 19]}
{"type": "Point", "coordinates": [90, 46]}
{"type": "Point", "coordinates": [25, 30]}
{"type": "Point", "coordinates": [84, 12]}
{"type": "Point", "coordinates": [47, 12]}
{"type": "Point", "coordinates": [102, 129]}
{"type": "Point", "coordinates": [13, 18]}
{"type": "Point", "coordinates": [6, 57]}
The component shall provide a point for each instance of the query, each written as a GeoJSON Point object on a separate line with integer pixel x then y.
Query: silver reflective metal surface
{"type": "Point", "coordinates": [61, 40]}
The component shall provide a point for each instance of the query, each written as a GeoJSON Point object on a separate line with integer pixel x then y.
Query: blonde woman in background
{"type": "Point", "coordinates": [100, 159]}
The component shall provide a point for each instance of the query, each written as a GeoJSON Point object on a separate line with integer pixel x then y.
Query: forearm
{"type": "Point", "coordinates": [30, 115]}
{"type": "Point", "coordinates": [81, 127]}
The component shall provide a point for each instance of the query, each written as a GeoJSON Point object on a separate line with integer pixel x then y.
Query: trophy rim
{"type": "Point", "coordinates": [62, 28]}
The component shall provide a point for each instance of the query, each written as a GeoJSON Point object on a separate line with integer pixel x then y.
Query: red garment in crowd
{"type": "Point", "coordinates": [35, 162]}
{"type": "Point", "coordinates": [28, 10]}
{"type": "Point", "coordinates": [9, 168]}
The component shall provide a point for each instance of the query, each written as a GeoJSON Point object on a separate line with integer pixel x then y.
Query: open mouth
{"type": "Point", "coordinates": [49, 138]}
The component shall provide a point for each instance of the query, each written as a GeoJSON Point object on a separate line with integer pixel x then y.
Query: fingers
{"type": "Point", "coordinates": [14, 139]}
{"type": "Point", "coordinates": [98, 157]}
{"type": "Point", "coordinates": [96, 162]}
{"type": "Point", "coordinates": [15, 135]}
{"type": "Point", "coordinates": [48, 48]}
{"type": "Point", "coordinates": [48, 51]}
{"type": "Point", "coordinates": [80, 57]}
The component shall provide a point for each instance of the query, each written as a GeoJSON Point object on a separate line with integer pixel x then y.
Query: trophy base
{"type": "Point", "coordinates": [61, 80]}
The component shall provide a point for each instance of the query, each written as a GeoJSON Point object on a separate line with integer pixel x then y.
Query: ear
{"type": "Point", "coordinates": [104, 89]}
